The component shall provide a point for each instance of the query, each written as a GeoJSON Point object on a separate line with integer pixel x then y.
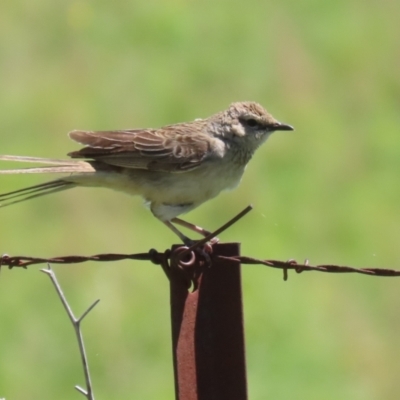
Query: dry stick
{"type": "Point", "coordinates": [76, 322]}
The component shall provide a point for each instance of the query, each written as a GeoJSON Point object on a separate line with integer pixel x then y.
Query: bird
{"type": "Point", "coordinates": [175, 168]}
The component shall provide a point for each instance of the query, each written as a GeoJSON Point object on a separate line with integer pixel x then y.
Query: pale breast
{"type": "Point", "coordinates": [179, 192]}
{"type": "Point", "coordinates": [194, 186]}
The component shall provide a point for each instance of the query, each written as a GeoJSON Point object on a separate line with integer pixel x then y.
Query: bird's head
{"type": "Point", "coordinates": [250, 121]}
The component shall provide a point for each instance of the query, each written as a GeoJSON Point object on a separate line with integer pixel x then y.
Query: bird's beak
{"type": "Point", "coordinates": [283, 127]}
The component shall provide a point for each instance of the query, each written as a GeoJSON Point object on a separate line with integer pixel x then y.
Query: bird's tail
{"type": "Point", "coordinates": [6, 199]}
{"type": "Point", "coordinates": [53, 166]}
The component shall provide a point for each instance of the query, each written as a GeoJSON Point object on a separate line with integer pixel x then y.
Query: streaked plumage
{"type": "Point", "coordinates": [174, 168]}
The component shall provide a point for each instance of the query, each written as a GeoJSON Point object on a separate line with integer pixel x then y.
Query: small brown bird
{"type": "Point", "coordinates": [174, 168]}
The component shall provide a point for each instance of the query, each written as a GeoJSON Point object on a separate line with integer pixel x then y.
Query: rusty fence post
{"type": "Point", "coordinates": [207, 330]}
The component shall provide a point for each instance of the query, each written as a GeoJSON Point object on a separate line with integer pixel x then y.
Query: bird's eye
{"type": "Point", "coordinates": [251, 122]}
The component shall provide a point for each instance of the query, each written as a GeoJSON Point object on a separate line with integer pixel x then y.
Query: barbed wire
{"type": "Point", "coordinates": [160, 258]}
{"type": "Point", "coordinates": [184, 257]}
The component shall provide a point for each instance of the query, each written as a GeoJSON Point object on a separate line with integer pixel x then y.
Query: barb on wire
{"type": "Point", "coordinates": [293, 265]}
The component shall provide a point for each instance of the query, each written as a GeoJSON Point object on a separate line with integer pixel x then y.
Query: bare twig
{"type": "Point", "coordinates": [76, 323]}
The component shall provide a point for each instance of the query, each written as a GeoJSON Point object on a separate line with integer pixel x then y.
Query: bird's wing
{"type": "Point", "coordinates": [172, 148]}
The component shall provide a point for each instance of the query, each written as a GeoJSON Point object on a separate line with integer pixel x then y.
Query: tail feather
{"type": "Point", "coordinates": [56, 166]}
{"type": "Point", "coordinates": [31, 192]}
{"type": "Point", "coordinates": [39, 160]}
{"type": "Point", "coordinates": [83, 167]}
{"type": "Point", "coordinates": [50, 166]}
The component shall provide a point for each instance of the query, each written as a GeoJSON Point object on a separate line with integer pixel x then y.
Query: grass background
{"type": "Point", "coordinates": [328, 192]}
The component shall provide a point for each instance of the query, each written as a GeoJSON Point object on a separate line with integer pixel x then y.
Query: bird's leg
{"type": "Point", "coordinates": [187, 241]}
{"type": "Point", "coordinates": [195, 228]}
{"type": "Point", "coordinates": [190, 226]}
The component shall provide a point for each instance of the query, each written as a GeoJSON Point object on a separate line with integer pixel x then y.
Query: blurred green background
{"type": "Point", "coordinates": [328, 192]}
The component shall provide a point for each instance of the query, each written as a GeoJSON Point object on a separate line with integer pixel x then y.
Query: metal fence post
{"type": "Point", "coordinates": [207, 330]}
